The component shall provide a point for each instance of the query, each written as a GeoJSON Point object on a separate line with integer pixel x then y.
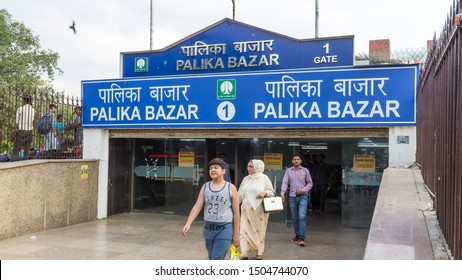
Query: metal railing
{"type": "Point", "coordinates": [21, 143]}
{"type": "Point", "coordinates": [398, 56]}
{"type": "Point", "coordinates": [439, 129]}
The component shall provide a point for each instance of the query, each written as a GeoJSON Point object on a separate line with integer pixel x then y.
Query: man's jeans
{"type": "Point", "coordinates": [50, 139]}
{"type": "Point", "coordinates": [298, 207]}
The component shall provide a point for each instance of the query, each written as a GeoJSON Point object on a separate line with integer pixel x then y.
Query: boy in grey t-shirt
{"type": "Point", "coordinates": [221, 213]}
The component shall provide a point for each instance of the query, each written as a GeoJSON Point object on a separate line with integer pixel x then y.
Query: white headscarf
{"type": "Point", "coordinates": [253, 184]}
{"type": "Point", "coordinates": [259, 167]}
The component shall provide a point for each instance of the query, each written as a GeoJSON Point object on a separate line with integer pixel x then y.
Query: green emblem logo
{"type": "Point", "coordinates": [141, 64]}
{"type": "Point", "coordinates": [226, 89]}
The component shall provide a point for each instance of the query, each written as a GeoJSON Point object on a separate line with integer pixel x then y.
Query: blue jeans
{"type": "Point", "coordinates": [218, 239]}
{"type": "Point", "coordinates": [298, 206]}
{"type": "Point", "coordinates": [50, 139]}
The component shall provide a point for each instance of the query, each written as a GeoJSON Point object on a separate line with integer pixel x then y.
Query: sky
{"type": "Point", "coordinates": [105, 28]}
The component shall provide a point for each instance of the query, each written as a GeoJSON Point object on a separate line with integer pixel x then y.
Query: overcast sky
{"type": "Point", "coordinates": [107, 27]}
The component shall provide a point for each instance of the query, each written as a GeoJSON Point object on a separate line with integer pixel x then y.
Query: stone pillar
{"type": "Point", "coordinates": [96, 146]}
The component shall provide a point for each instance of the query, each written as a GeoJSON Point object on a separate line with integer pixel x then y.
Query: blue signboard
{"type": "Point", "coordinates": [374, 96]}
{"type": "Point", "coordinates": [231, 46]}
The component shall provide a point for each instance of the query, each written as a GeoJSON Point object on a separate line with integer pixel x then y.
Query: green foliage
{"type": "Point", "coordinates": [22, 60]}
{"type": "Point", "coordinates": [5, 147]}
{"type": "Point", "coordinates": [25, 69]}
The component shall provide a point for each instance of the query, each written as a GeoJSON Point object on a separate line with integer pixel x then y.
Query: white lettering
{"type": "Point", "coordinates": [270, 111]}
{"type": "Point", "coordinates": [242, 62]}
{"type": "Point", "coordinates": [274, 59]}
{"type": "Point", "coordinates": [172, 112]}
{"type": "Point", "coordinates": [333, 109]}
{"type": "Point", "coordinates": [115, 114]}
{"type": "Point", "coordinates": [367, 86]}
{"type": "Point", "coordinates": [348, 110]}
{"type": "Point", "coordinates": [290, 110]}
{"type": "Point", "coordinates": [376, 109]}
{"type": "Point", "coordinates": [201, 48]}
{"type": "Point", "coordinates": [150, 115]}
{"type": "Point", "coordinates": [160, 113]}
{"type": "Point", "coordinates": [315, 110]}
{"type": "Point", "coordinates": [117, 94]}
{"type": "Point", "coordinates": [253, 58]}
{"type": "Point", "coordinates": [253, 61]}
{"type": "Point", "coordinates": [363, 109]}
{"type": "Point", "coordinates": [192, 111]}
{"type": "Point", "coordinates": [253, 46]}
{"type": "Point", "coordinates": [392, 106]}
{"type": "Point", "coordinates": [93, 113]}
{"type": "Point", "coordinates": [325, 59]}
{"type": "Point", "coordinates": [288, 87]}
{"type": "Point", "coordinates": [263, 61]}
{"type": "Point", "coordinates": [199, 64]}
{"type": "Point", "coordinates": [300, 110]}
{"type": "Point", "coordinates": [259, 108]}
{"type": "Point", "coordinates": [232, 62]}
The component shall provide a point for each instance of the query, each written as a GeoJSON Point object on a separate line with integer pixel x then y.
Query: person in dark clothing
{"type": "Point", "coordinates": [321, 180]}
{"type": "Point", "coordinates": [309, 165]}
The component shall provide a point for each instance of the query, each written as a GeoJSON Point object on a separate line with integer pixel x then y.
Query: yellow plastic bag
{"type": "Point", "coordinates": [232, 254]}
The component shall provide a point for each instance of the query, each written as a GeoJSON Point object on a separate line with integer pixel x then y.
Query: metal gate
{"type": "Point", "coordinates": [439, 128]}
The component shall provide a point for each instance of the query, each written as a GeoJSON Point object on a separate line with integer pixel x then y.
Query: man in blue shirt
{"type": "Point", "coordinates": [298, 180]}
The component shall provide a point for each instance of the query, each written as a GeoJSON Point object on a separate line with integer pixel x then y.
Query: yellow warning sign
{"type": "Point", "coordinates": [273, 161]}
{"type": "Point", "coordinates": [186, 159]}
{"type": "Point", "coordinates": [84, 171]}
{"type": "Point", "coordinates": [364, 163]}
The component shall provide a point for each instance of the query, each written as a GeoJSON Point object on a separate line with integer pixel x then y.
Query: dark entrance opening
{"type": "Point", "coordinates": [164, 175]}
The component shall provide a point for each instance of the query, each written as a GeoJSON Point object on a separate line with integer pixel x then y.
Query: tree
{"type": "Point", "coordinates": [25, 69]}
{"type": "Point", "coordinates": [23, 62]}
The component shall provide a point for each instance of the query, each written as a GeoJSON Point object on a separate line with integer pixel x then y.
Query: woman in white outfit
{"type": "Point", "coordinates": [254, 220]}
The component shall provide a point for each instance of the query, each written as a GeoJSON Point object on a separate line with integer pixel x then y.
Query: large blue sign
{"type": "Point", "coordinates": [231, 46]}
{"type": "Point", "coordinates": [374, 96]}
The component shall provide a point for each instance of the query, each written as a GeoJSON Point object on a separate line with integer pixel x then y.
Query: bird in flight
{"type": "Point", "coordinates": [73, 27]}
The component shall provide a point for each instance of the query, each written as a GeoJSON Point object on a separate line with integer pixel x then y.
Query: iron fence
{"type": "Point", "coordinates": [439, 129]}
{"type": "Point", "coordinates": [398, 56]}
{"type": "Point", "coordinates": [19, 135]}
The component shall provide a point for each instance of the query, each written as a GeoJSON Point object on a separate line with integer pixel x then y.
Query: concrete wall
{"type": "Point", "coordinates": [38, 195]}
{"type": "Point", "coordinates": [401, 154]}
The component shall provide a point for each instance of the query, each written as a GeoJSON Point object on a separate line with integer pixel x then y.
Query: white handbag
{"type": "Point", "coordinates": [272, 204]}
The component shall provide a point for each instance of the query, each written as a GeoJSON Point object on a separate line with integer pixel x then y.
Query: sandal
{"type": "Point", "coordinates": [259, 257]}
{"type": "Point", "coordinates": [244, 258]}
